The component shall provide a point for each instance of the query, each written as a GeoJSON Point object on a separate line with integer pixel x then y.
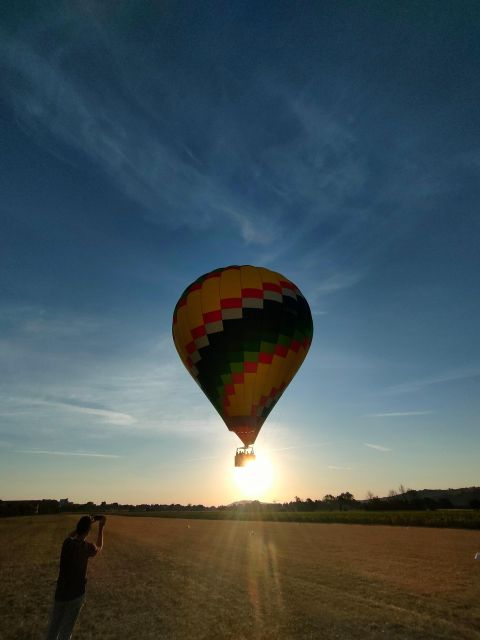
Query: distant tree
{"type": "Point", "coordinates": [344, 499]}
{"type": "Point", "coordinates": [329, 501]}
{"type": "Point", "coordinates": [445, 503]}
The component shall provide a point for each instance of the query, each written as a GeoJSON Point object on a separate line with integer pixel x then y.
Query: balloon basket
{"type": "Point", "coordinates": [244, 456]}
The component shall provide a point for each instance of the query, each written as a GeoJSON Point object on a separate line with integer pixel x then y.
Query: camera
{"type": "Point", "coordinates": [97, 518]}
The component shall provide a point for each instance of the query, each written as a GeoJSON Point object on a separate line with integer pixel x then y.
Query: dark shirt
{"type": "Point", "coordinates": [72, 577]}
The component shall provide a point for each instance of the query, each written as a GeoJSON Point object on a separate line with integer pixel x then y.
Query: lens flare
{"type": "Point", "coordinates": [255, 478]}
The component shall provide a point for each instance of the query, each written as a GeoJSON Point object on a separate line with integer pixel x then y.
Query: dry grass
{"type": "Point", "coordinates": [177, 579]}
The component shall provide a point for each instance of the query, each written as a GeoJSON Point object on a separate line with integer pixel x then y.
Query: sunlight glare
{"type": "Point", "coordinates": [255, 478]}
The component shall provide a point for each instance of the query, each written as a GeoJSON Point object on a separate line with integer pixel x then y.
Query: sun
{"type": "Point", "coordinates": [254, 479]}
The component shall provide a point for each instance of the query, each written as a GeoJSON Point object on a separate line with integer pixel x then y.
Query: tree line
{"type": "Point", "coordinates": [401, 500]}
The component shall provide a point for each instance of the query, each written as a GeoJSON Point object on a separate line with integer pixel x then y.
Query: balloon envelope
{"type": "Point", "coordinates": [242, 332]}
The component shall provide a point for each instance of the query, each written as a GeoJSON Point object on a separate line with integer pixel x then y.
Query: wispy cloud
{"type": "Point", "coordinates": [310, 170]}
{"type": "Point", "coordinates": [398, 414]}
{"type": "Point", "coordinates": [148, 391]}
{"type": "Point", "coordinates": [67, 453]}
{"type": "Point", "coordinates": [198, 459]}
{"type": "Point", "coordinates": [341, 279]}
{"type": "Point", "coordinates": [337, 282]}
{"type": "Point", "coordinates": [344, 360]}
{"type": "Point", "coordinates": [34, 321]}
{"type": "Point", "coordinates": [377, 447]}
{"type": "Point", "coordinates": [153, 171]}
{"type": "Point", "coordinates": [338, 468]}
{"type": "Point", "coordinates": [451, 375]}
{"type": "Point", "coordinates": [106, 415]}
{"type": "Point", "coordinates": [303, 446]}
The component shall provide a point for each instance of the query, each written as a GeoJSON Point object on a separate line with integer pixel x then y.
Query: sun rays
{"type": "Point", "coordinates": [255, 479]}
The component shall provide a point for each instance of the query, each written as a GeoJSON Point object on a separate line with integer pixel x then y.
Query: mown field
{"type": "Point", "coordinates": [175, 579]}
{"type": "Point", "coordinates": [454, 518]}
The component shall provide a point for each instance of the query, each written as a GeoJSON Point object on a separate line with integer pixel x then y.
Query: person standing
{"type": "Point", "coordinates": [72, 577]}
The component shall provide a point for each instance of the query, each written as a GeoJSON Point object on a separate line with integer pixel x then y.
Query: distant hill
{"type": "Point", "coordinates": [246, 503]}
{"type": "Point", "coordinates": [458, 497]}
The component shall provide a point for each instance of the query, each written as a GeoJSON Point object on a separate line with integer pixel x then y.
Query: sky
{"type": "Point", "coordinates": [145, 144]}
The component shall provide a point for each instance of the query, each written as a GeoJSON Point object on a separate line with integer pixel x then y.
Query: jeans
{"type": "Point", "coordinates": [64, 616]}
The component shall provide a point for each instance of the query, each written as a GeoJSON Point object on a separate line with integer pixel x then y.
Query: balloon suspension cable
{"type": "Point", "coordinates": [244, 455]}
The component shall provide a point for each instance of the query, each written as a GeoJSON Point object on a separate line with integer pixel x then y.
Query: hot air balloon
{"type": "Point", "coordinates": [242, 332]}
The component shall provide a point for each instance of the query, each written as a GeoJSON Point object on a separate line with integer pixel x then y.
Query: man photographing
{"type": "Point", "coordinates": [72, 577]}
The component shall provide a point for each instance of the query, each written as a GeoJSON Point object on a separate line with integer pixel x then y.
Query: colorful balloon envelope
{"type": "Point", "coordinates": [242, 332]}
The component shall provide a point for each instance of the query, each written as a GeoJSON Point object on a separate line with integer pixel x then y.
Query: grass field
{"type": "Point", "coordinates": [454, 518]}
{"type": "Point", "coordinates": [180, 579]}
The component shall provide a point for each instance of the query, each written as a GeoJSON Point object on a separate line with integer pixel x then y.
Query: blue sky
{"type": "Point", "coordinates": [142, 146]}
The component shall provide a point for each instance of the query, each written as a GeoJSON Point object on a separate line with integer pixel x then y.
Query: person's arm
{"type": "Point", "coordinates": [101, 524]}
